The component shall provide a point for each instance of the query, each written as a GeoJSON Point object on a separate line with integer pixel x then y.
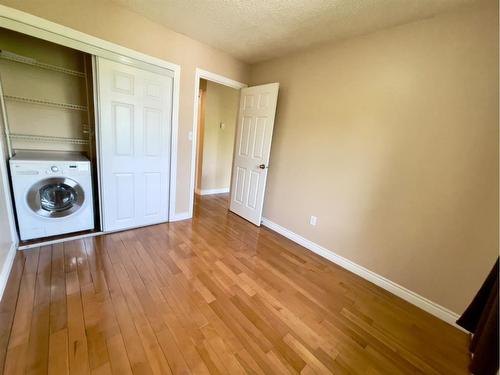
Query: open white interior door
{"type": "Point", "coordinates": [252, 149]}
{"type": "Point", "coordinates": [135, 108]}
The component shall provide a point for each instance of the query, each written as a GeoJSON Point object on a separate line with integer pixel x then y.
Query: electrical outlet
{"type": "Point", "coordinates": [313, 220]}
{"type": "Point", "coordinates": [222, 125]}
{"type": "Point", "coordinates": [190, 136]}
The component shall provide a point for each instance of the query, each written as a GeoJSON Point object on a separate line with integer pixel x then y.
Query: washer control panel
{"type": "Point", "coordinates": [59, 169]}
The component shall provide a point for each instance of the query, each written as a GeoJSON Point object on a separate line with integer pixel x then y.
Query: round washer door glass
{"type": "Point", "coordinates": [55, 197]}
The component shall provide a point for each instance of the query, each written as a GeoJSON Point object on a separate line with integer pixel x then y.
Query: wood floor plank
{"type": "Point", "coordinates": [15, 362]}
{"type": "Point", "coordinates": [77, 338]}
{"type": "Point", "coordinates": [120, 363]}
{"type": "Point", "coordinates": [58, 361]}
{"type": "Point", "coordinates": [37, 354]}
{"type": "Point", "coordinates": [211, 295]}
{"type": "Point", "coordinates": [9, 302]}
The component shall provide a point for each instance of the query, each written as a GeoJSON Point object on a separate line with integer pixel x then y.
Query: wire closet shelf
{"type": "Point", "coordinates": [13, 57]}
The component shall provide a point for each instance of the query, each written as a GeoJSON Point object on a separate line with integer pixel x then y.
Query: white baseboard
{"type": "Point", "coordinates": [212, 191]}
{"type": "Point", "coordinates": [425, 304]}
{"type": "Point", "coordinates": [7, 266]}
{"type": "Point", "coordinates": [180, 216]}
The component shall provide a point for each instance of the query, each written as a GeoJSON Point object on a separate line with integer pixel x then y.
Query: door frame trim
{"type": "Point", "coordinates": [41, 28]}
{"type": "Point", "coordinates": [5, 179]}
{"type": "Point", "coordinates": [216, 78]}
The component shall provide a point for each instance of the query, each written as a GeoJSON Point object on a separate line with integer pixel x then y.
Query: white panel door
{"type": "Point", "coordinates": [252, 149]}
{"type": "Point", "coordinates": [135, 112]}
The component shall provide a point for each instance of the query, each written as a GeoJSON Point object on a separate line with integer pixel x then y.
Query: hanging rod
{"type": "Point", "coordinates": [46, 102]}
{"type": "Point", "coordinates": [6, 55]}
{"type": "Point", "coordinates": [49, 139]}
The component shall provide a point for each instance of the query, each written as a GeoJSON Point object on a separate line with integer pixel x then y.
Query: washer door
{"type": "Point", "coordinates": [55, 197]}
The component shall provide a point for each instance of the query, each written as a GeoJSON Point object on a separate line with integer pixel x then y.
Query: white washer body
{"type": "Point", "coordinates": [52, 192]}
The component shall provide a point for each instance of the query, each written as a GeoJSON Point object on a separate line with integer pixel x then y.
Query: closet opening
{"type": "Point", "coordinates": [49, 138]}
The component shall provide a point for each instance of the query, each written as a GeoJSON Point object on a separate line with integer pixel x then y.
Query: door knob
{"type": "Point", "coordinates": [262, 166]}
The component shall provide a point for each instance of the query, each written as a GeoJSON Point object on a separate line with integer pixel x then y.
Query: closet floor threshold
{"type": "Point", "coordinates": [30, 244]}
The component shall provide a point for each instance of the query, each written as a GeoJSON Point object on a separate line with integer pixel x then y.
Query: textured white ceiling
{"type": "Point", "coordinates": [256, 30]}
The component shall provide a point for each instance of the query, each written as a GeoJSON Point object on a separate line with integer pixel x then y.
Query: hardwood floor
{"type": "Point", "coordinates": [212, 295]}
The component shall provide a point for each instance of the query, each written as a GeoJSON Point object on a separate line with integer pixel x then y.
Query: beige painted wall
{"type": "Point", "coordinates": [108, 21]}
{"type": "Point", "coordinates": [221, 106]}
{"type": "Point", "coordinates": [391, 140]}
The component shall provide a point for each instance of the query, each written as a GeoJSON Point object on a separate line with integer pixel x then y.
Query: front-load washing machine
{"type": "Point", "coordinates": [52, 192]}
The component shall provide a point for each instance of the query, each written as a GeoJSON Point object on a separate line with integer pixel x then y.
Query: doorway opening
{"type": "Point", "coordinates": [256, 111]}
{"type": "Point", "coordinates": [216, 129]}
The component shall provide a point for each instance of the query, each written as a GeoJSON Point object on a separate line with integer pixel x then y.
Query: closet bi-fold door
{"type": "Point", "coordinates": [135, 108]}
